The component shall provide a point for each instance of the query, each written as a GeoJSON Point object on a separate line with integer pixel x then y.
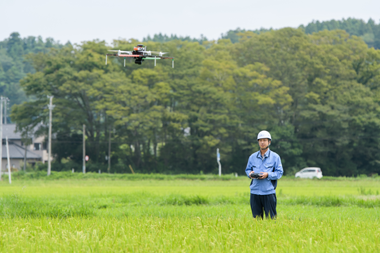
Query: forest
{"type": "Point", "coordinates": [369, 31]}
{"type": "Point", "coordinates": [315, 88]}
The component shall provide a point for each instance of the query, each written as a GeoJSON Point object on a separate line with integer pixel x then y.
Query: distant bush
{"type": "Point", "coordinates": [65, 175]}
{"type": "Point", "coordinates": [57, 175]}
{"type": "Point", "coordinates": [329, 178]}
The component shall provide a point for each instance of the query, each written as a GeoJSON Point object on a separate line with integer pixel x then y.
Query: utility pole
{"type": "Point", "coordinates": [218, 160]}
{"type": "Point", "coordinates": [9, 160]}
{"type": "Point", "coordinates": [1, 136]}
{"type": "Point", "coordinates": [84, 149]}
{"type": "Point", "coordinates": [5, 110]}
{"type": "Point", "coordinates": [51, 107]}
{"type": "Point", "coordinates": [109, 153]}
{"type": "Point", "coordinates": [26, 152]}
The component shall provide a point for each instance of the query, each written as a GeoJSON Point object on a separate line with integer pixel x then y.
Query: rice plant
{"type": "Point", "coordinates": [186, 215]}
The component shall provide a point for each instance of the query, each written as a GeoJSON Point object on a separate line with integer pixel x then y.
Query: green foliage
{"type": "Point", "coordinates": [165, 38]}
{"type": "Point", "coordinates": [368, 31]}
{"type": "Point", "coordinates": [14, 65]}
{"type": "Point", "coordinates": [236, 35]}
{"type": "Point", "coordinates": [328, 99]}
{"type": "Point", "coordinates": [318, 94]}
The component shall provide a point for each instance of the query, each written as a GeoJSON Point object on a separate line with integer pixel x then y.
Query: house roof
{"type": "Point", "coordinates": [18, 152]}
{"type": "Point", "coordinates": [9, 130]}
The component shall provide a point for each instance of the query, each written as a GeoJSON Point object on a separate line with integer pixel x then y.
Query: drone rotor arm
{"type": "Point", "coordinates": [159, 53]}
{"type": "Point", "coordinates": [121, 52]}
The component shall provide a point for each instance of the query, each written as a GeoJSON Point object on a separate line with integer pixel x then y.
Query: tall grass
{"type": "Point", "coordinates": [12, 206]}
{"type": "Point", "coordinates": [17, 206]}
{"type": "Point", "coordinates": [195, 234]}
{"type": "Point", "coordinates": [92, 215]}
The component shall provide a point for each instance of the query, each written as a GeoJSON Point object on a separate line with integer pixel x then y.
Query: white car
{"type": "Point", "coordinates": [312, 172]}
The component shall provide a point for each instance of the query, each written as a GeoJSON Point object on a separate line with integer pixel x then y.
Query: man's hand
{"type": "Point", "coordinates": [263, 175]}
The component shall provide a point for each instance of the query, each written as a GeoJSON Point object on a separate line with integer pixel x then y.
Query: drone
{"type": "Point", "coordinates": [140, 54]}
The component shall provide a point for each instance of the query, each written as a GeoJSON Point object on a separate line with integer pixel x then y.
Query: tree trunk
{"type": "Point", "coordinates": [137, 153]}
{"type": "Point", "coordinates": [155, 150]}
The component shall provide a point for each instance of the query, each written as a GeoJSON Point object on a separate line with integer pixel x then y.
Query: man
{"type": "Point", "coordinates": [263, 188]}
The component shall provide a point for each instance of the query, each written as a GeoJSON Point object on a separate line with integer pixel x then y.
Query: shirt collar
{"type": "Point", "coordinates": [265, 155]}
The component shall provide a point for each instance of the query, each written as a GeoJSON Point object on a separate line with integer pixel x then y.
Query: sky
{"type": "Point", "coordinates": [83, 20]}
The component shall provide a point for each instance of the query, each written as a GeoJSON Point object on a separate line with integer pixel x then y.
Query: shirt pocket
{"type": "Point", "coordinates": [269, 167]}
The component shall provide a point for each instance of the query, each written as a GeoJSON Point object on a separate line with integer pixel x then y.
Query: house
{"type": "Point", "coordinates": [35, 152]}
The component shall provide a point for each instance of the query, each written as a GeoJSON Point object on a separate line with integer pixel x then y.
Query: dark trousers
{"type": "Point", "coordinates": [263, 203]}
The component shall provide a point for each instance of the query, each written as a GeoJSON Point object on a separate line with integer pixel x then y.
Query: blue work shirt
{"type": "Point", "coordinates": [258, 164]}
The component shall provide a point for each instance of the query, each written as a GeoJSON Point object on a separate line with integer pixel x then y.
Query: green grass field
{"type": "Point", "coordinates": [177, 215]}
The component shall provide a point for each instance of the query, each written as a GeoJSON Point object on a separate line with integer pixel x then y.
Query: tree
{"type": "Point", "coordinates": [318, 94]}
{"type": "Point", "coordinates": [13, 64]}
{"type": "Point", "coordinates": [68, 75]}
{"type": "Point", "coordinates": [319, 71]}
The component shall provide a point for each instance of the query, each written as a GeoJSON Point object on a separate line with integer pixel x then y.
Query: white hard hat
{"type": "Point", "coordinates": [264, 135]}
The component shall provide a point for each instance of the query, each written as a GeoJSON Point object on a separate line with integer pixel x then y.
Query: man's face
{"type": "Point", "coordinates": [264, 143]}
